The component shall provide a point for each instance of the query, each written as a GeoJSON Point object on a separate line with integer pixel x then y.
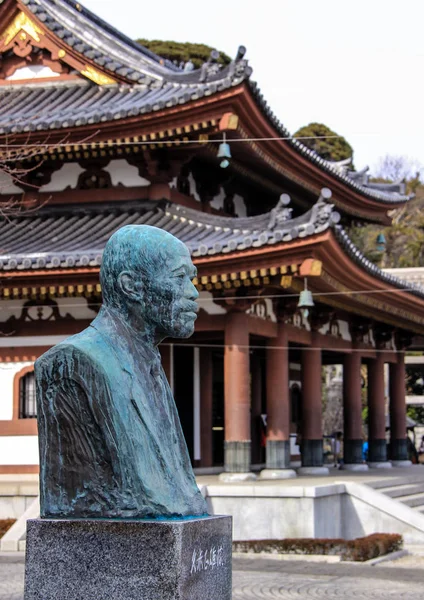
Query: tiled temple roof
{"type": "Point", "coordinates": [95, 39]}
{"type": "Point", "coordinates": [41, 107]}
{"type": "Point", "coordinates": [158, 84]}
{"type": "Point", "coordinates": [75, 236]}
{"type": "Point", "coordinates": [35, 107]}
{"type": "Point", "coordinates": [390, 193]}
{"type": "Point", "coordinates": [72, 237]}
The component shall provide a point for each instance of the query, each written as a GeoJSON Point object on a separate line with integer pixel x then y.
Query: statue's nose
{"type": "Point", "coordinates": [193, 294]}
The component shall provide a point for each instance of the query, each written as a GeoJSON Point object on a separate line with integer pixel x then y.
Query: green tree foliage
{"type": "Point", "coordinates": [405, 237]}
{"type": "Point", "coordinates": [331, 148]}
{"type": "Point", "coordinates": [416, 413]}
{"type": "Point", "coordinates": [182, 52]}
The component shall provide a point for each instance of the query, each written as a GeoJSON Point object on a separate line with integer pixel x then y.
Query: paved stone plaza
{"type": "Point", "coordinates": [263, 578]}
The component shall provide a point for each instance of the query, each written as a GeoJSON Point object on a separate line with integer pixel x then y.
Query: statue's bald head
{"type": "Point", "coordinates": [138, 249]}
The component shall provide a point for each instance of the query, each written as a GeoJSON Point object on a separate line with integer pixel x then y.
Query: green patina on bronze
{"type": "Point", "coordinates": [111, 444]}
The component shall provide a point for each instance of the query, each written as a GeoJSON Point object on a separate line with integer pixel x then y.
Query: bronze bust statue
{"type": "Point", "coordinates": [111, 443]}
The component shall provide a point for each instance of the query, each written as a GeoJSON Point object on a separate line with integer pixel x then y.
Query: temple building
{"type": "Point", "coordinates": [97, 132]}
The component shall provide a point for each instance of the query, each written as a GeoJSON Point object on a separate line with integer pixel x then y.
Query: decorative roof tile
{"type": "Point", "coordinates": [158, 84]}
{"type": "Point", "coordinates": [69, 237]}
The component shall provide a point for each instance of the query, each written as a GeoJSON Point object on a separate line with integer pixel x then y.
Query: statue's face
{"type": "Point", "coordinates": [170, 302]}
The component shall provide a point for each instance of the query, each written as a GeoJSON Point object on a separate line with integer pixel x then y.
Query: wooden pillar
{"type": "Point", "coordinates": [278, 401]}
{"type": "Point", "coordinates": [206, 398]}
{"type": "Point", "coordinates": [312, 443]}
{"type": "Point", "coordinates": [237, 445]}
{"type": "Point", "coordinates": [352, 409]}
{"type": "Point", "coordinates": [398, 447]}
{"type": "Point", "coordinates": [377, 448]}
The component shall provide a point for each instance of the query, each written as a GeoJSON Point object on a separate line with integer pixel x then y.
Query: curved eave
{"type": "Point", "coordinates": [388, 302]}
{"type": "Point", "coordinates": [182, 106]}
{"type": "Point", "coordinates": [302, 166]}
{"type": "Point", "coordinates": [88, 41]}
{"type": "Point", "coordinates": [375, 295]}
{"type": "Point", "coordinates": [191, 104]}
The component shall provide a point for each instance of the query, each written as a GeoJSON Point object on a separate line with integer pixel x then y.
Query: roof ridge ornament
{"type": "Point", "coordinates": [323, 213]}
{"type": "Point", "coordinates": [211, 67]}
{"type": "Point", "coordinates": [280, 213]}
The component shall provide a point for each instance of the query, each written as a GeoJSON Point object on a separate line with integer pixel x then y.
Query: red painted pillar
{"type": "Point", "coordinates": [278, 401]}
{"type": "Point", "coordinates": [206, 378]}
{"type": "Point", "coordinates": [398, 447]}
{"type": "Point", "coordinates": [237, 446]}
{"type": "Point", "coordinates": [377, 447]}
{"type": "Point", "coordinates": [312, 443]}
{"type": "Point", "coordinates": [352, 409]}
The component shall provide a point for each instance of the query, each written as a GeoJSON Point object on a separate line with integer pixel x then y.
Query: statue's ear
{"type": "Point", "coordinates": [131, 287]}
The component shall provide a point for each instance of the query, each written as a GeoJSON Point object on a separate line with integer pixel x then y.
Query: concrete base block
{"type": "Point", "coordinates": [355, 467]}
{"type": "Point", "coordinates": [235, 477]}
{"type": "Point", "coordinates": [380, 465]}
{"type": "Point", "coordinates": [181, 559]}
{"type": "Point", "coordinates": [401, 463]}
{"type": "Point", "coordinates": [313, 471]}
{"type": "Point", "coordinates": [277, 474]}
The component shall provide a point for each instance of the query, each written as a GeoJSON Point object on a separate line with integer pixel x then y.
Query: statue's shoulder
{"type": "Point", "coordinates": [86, 348]}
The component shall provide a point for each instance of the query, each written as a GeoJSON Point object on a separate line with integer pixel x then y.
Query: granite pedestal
{"type": "Point", "coordinates": [91, 559]}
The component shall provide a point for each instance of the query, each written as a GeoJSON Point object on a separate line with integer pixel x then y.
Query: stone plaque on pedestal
{"type": "Point", "coordinates": [101, 559]}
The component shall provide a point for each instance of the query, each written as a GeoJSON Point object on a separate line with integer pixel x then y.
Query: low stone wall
{"type": "Point", "coordinates": [341, 510]}
{"type": "Point", "coordinates": [17, 492]}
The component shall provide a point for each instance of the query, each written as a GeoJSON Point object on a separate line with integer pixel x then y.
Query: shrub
{"type": "Point", "coordinates": [360, 549]}
{"type": "Point", "coordinates": [5, 524]}
{"type": "Point", "coordinates": [372, 546]}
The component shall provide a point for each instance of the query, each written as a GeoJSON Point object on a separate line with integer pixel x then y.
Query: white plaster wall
{"type": "Point", "coordinates": [32, 72]}
{"type": "Point", "coordinates": [9, 308]}
{"type": "Point", "coordinates": [122, 173]}
{"type": "Point", "coordinates": [193, 188]}
{"type": "Point", "coordinates": [7, 375]}
{"type": "Point", "coordinates": [344, 331]}
{"type": "Point", "coordinates": [239, 203]}
{"type": "Point", "coordinates": [206, 303]}
{"type": "Point", "coordinates": [19, 450]}
{"type": "Point", "coordinates": [257, 310]}
{"type": "Point", "coordinates": [31, 340]}
{"type": "Point", "coordinates": [240, 206]}
{"type": "Point", "coordinates": [7, 186]}
{"type": "Point", "coordinates": [218, 201]}
{"type": "Point", "coordinates": [76, 307]}
{"type": "Point", "coordinates": [65, 177]}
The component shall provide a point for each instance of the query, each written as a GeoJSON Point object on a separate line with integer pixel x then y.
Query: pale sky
{"type": "Point", "coordinates": [356, 66]}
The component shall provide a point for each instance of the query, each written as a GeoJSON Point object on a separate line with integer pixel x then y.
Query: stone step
{"type": "Point", "coordinates": [391, 482]}
{"type": "Point", "coordinates": [399, 491]}
{"type": "Point", "coordinates": [414, 500]}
